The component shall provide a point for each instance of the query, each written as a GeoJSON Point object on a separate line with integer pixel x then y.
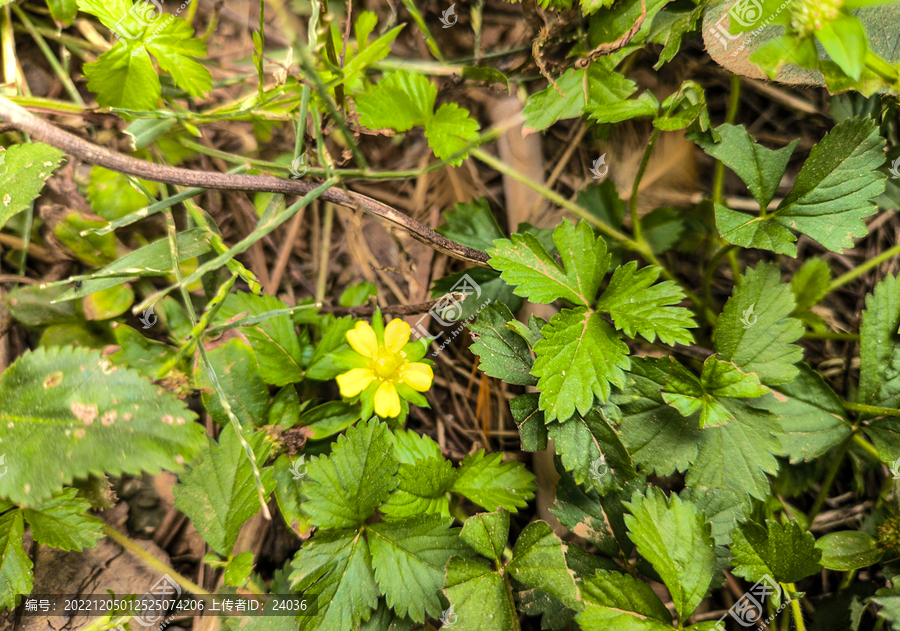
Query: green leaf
{"type": "Point", "coordinates": [810, 413]}
{"type": "Point", "coordinates": [551, 104]}
{"type": "Point", "coordinates": [786, 552]}
{"type": "Point", "coordinates": [597, 618]}
{"type": "Point", "coordinates": [63, 10]}
{"type": "Point", "coordinates": [336, 566]}
{"type": "Point", "coordinates": [492, 483]}
{"type": "Point", "coordinates": [410, 446]}
{"type": "Point", "coordinates": [539, 563]}
{"type": "Point", "coordinates": [583, 516]}
{"type": "Point", "coordinates": [735, 457]}
{"type": "Point", "coordinates": [288, 494]}
{"type": "Point", "coordinates": [844, 39]}
{"type": "Point", "coordinates": [524, 262]}
{"type": "Point", "coordinates": [879, 354]}
{"type": "Point", "coordinates": [409, 559]}
{"type": "Point", "coordinates": [219, 494]}
{"type": "Point", "coordinates": [174, 46]}
{"type": "Point", "coordinates": [530, 421]}
{"type": "Point", "coordinates": [589, 448]}
{"type": "Point", "coordinates": [63, 522]}
{"type": "Point", "coordinates": [422, 489]}
{"type": "Point", "coordinates": [109, 13]}
{"type": "Point", "coordinates": [830, 197]}
{"type": "Point", "coordinates": [761, 169]}
{"type": "Point", "coordinates": [78, 414]}
{"type": "Point", "coordinates": [237, 370]}
{"type": "Point", "coordinates": [810, 283]}
{"type": "Point", "coordinates": [675, 538]}
{"type": "Point", "coordinates": [357, 295]}
{"type": "Point", "coordinates": [480, 597]}
{"type": "Point", "coordinates": [23, 171]}
{"type": "Point", "coordinates": [658, 438]}
{"type": "Point", "coordinates": [400, 101]}
{"type": "Point", "coordinates": [472, 224]}
{"type": "Point", "coordinates": [124, 77]}
{"type": "Point", "coordinates": [764, 347]}
{"type": "Point", "coordinates": [624, 593]}
{"type": "Point", "coordinates": [636, 305]}
{"type": "Point", "coordinates": [578, 358]}
{"type": "Point", "coordinates": [488, 288]}
{"type": "Point", "coordinates": [274, 340]}
{"type": "Point", "coordinates": [15, 567]}
{"type": "Point", "coordinates": [108, 303]}
{"type": "Point", "coordinates": [486, 533]}
{"type": "Point", "coordinates": [718, 382]}
{"type": "Point", "coordinates": [504, 354]}
{"type": "Point", "coordinates": [237, 572]}
{"type": "Point", "coordinates": [849, 550]}
{"type": "Point", "coordinates": [449, 131]}
{"type": "Point", "coordinates": [346, 487]}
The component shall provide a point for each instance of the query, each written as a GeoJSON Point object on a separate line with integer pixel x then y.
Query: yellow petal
{"type": "Point", "coordinates": [417, 376]}
{"type": "Point", "coordinates": [362, 339]}
{"type": "Point", "coordinates": [396, 335]}
{"type": "Point", "coordinates": [387, 401]}
{"type": "Point", "coordinates": [355, 381]}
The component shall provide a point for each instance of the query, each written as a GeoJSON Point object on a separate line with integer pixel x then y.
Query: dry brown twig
{"type": "Point", "coordinates": [44, 131]}
{"type": "Point", "coordinates": [611, 47]}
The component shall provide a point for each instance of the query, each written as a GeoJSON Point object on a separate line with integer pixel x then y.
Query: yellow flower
{"type": "Point", "coordinates": [386, 363]}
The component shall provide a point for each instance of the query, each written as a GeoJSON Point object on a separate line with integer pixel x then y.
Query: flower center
{"type": "Point", "coordinates": [812, 15]}
{"type": "Point", "coordinates": [386, 363]}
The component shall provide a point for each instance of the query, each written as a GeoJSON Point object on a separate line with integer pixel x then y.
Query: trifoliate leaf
{"type": "Point", "coordinates": [755, 331]}
{"type": "Point", "coordinates": [273, 340]}
{"type": "Point", "coordinates": [786, 552]}
{"type": "Point", "coordinates": [675, 538]}
{"type": "Point", "coordinates": [492, 483]}
{"type": "Point", "coordinates": [578, 358]}
{"type": "Point", "coordinates": [625, 593]}
{"type": "Point", "coordinates": [539, 563]}
{"type": "Point", "coordinates": [636, 305]}
{"type": "Point", "coordinates": [449, 131]}
{"type": "Point", "coordinates": [709, 394]}
{"type": "Point", "coordinates": [422, 489]}
{"type": "Point", "coordinates": [504, 354]}
{"type": "Point", "coordinates": [849, 550]}
{"type": "Point", "coordinates": [590, 448]}
{"type": "Point", "coordinates": [23, 171]}
{"type": "Point", "coordinates": [15, 567]}
{"type": "Point", "coordinates": [760, 168]}
{"type": "Point", "coordinates": [879, 354]}
{"type": "Point", "coordinates": [658, 438]}
{"type": "Point", "coordinates": [219, 494]}
{"type": "Point", "coordinates": [811, 415]}
{"type": "Point", "coordinates": [400, 101]}
{"type": "Point", "coordinates": [830, 197]}
{"type": "Point", "coordinates": [63, 522]}
{"type": "Point", "coordinates": [409, 559]}
{"type": "Point", "coordinates": [736, 456]}
{"type": "Point", "coordinates": [524, 262]}
{"type": "Point", "coordinates": [79, 414]}
{"type": "Point", "coordinates": [480, 597]}
{"type": "Point", "coordinates": [345, 487]}
{"type": "Point", "coordinates": [336, 566]}
{"type": "Point", "coordinates": [486, 533]}
{"type": "Point", "coordinates": [472, 224]}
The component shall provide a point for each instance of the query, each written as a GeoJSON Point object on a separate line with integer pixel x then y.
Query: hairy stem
{"type": "Point", "coordinates": [636, 186]}
{"type": "Point", "coordinates": [843, 279]}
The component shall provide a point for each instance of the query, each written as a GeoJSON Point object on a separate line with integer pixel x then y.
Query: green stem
{"type": "Point", "coordinates": [866, 446]}
{"type": "Point", "coordinates": [61, 74]}
{"type": "Point", "coordinates": [864, 267]}
{"type": "Point", "coordinates": [152, 561]}
{"type": "Point", "coordinates": [711, 270]}
{"type": "Point", "coordinates": [797, 611]}
{"type": "Point", "coordinates": [862, 408]}
{"type": "Point", "coordinates": [730, 115]}
{"type": "Point", "coordinates": [829, 479]}
{"type": "Point", "coordinates": [635, 187]}
{"type": "Point", "coordinates": [325, 250]}
{"type": "Point", "coordinates": [830, 335]}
